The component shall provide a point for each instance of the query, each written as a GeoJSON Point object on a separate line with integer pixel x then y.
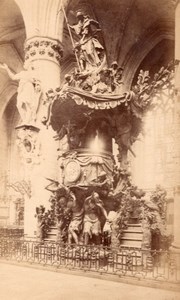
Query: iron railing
{"type": "Point", "coordinates": [131, 262]}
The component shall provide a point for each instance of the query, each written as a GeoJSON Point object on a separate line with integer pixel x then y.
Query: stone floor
{"type": "Point", "coordinates": [24, 283]}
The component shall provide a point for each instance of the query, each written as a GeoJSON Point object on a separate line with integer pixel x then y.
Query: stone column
{"type": "Point", "coordinates": [43, 49]}
{"type": "Point", "coordinates": [176, 243]}
{"type": "Point", "coordinates": [43, 21]}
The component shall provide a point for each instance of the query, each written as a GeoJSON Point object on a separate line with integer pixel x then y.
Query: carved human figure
{"type": "Point", "coordinates": [20, 215]}
{"type": "Point", "coordinates": [124, 134]}
{"type": "Point", "coordinates": [93, 211]}
{"type": "Point", "coordinates": [116, 77]}
{"type": "Point", "coordinates": [103, 85]}
{"type": "Point", "coordinates": [63, 217]}
{"type": "Point", "coordinates": [40, 215]}
{"type": "Point", "coordinates": [74, 134]}
{"type": "Point", "coordinates": [29, 92]}
{"type": "Point", "coordinates": [75, 225]}
{"type": "Point", "coordinates": [107, 229]}
{"type": "Point", "coordinates": [89, 48]}
{"type": "Point", "coordinates": [102, 183]}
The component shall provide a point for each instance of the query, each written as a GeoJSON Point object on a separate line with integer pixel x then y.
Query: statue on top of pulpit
{"type": "Point", "coordinates": [89, 50]}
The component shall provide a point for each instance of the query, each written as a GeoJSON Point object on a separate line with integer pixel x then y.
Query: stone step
{"type": "Point", "coordinates": [126, 246]}
{"type": "Point", "coordinates": [132, 238]}
{"type": "Point", "coordinates": [133, 229]}
{"type": "Point", "coordinates": [134, 226]}
{"type": "Point", "coordinates": [52, 232]}
{"type": "Point", "coordinates": [132, 234]}
{"type": "Point", "coordinates": [138, 230]}
{"type": "Point", "coordinates": [132, 243]}
{"type": "Point", "coordinates": [51, 235]}
{"type": "Point", "coordinates": [50, 239]}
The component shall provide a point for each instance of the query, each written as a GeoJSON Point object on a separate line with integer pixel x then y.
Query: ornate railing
{"type": "Point", "coordinates": [142, 264]}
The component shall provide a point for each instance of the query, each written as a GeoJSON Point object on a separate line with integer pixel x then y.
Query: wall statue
{"type": "Point", "coordinates": [29, 93]}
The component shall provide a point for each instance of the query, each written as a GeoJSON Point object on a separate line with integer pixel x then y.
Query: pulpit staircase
{"type": "Point", "coordinates": [129, 256]}
{"type": "Point", "coordinates": [51, 235]}
{"type": "Point", "coordinates": [132, 236]}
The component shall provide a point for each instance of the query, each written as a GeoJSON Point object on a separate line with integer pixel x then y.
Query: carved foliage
{"type": "Point", "coordinates": [147, 88]}
{"type": "Point", "coordinates": [155, 211]}
{"type": "Point", "coordinates": [43, 47]}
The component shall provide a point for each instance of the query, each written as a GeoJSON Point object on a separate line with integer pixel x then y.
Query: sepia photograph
{"type": "Point", "coordinates": [89, 149]}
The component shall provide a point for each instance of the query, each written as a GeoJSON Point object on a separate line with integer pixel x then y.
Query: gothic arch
{"type": "Point", "coordinates": [9, 160]}
{"type": "Point", "coordinates": [153, 36]}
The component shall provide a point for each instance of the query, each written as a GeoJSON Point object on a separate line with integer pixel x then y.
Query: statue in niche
{"type": "Point", "coordinates": [20, 216]}
{"type": "Point", "coordinates": [93, 213]}
{"type": "Point", "coordinates": [19, 211]}
{"type": "Point", "coordinates": [29, 93]}
{"type": "Point", "coordinates": [76, 223]}
{"type": "Point", "coordinates": [40, 215]}
{"type": "Point", "coordinates": [89, 48]}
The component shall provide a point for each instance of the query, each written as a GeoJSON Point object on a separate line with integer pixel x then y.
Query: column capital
{"type": "Point", "coordinates": [38, 48]}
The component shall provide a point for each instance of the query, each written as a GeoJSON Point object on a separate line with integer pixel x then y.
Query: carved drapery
{"type": "Point", "coordinates": [81, 166]}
